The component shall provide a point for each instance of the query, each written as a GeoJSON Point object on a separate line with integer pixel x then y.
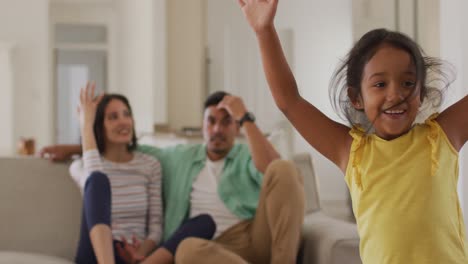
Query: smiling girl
{"type": "Point", "coordinates": [402, 176]}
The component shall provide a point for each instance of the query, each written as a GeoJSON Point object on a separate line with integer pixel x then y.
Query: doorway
{"type": "Point", "coordinates": [80, 56]}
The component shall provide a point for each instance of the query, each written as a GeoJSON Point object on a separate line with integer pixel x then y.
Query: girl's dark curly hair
{"type": "Point", "coordinates": [345, 85]}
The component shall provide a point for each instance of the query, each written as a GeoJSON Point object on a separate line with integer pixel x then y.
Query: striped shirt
{"type": "Point", "coordinates": [136, 192]}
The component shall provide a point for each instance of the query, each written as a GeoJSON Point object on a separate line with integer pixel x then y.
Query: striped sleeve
{"type": "Point", "coordinates": [77, 173]}
{"type": "Point", "coordinates": [92, 161]}
{"type": "Point", "coordinates": [81, 169]}
{"type": "Point", "coordinates": [155, 214]}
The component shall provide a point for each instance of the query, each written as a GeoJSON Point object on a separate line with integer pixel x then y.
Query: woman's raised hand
{"type": "Point", "coordinates": [88, 105]}
{"type": "Point", "coordinates": [259, 13]}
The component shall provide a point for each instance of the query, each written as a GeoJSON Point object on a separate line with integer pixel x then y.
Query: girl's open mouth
{"type": "Point", "coordinates": [394, 112]}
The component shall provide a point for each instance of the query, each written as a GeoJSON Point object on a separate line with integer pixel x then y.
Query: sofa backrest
{"type": "Point", "coordinates": [304, 164]}
{"type": "Point", "coordinates": [40, 207]}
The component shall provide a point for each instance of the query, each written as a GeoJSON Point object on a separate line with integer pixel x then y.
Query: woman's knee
{"type": "Point", "coordinates": [97, 180]}
{"type": "Point", "coordinates": [206, 223]}
{"type": "Point", "coordinates": [97, 201]}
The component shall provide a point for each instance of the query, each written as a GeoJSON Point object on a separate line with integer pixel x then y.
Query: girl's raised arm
{"type": "Point", "coordinates": [328, 137]}
{"type": "Point", "coordinates": [454, 122]}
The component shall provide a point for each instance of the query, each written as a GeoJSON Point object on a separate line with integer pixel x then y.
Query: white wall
{"type": "Point", "coordinates": [186, 65]}
{"type": "Point", "coordinates": [373, 14]}
{"type": "Point", "coordinates": [235, 64]}
{"type": "Point", "coordinates": [137, 62]}
{"type": "Point", "coordinates": [317, 33]}
{"type": "Point", "coordinates": [6, 104]}
{"type": "Point", "coordinates": [322, 35]}
{"type": "Point", "coordinates": [26, 23]}
{"type": "Point", "coordinates": [453, 43]}
{"type": "Point", "coordinates": [74, 12]}
{"type": "Point", "coordinates": [429, 26]}
{"type": "Point", "coordinates": [419, 19]}
{"type": "Point", "coordinates": [160, 57]}
{"type": "Point", "coordinates": [464, 156]}
{"type": "Point", "coordinates": [141, 59]}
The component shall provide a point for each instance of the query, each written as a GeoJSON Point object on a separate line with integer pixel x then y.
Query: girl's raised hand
{"type": "Point", "coordinates": [259, 13]}
{"type": "Point", "coordinates": [88, 105]}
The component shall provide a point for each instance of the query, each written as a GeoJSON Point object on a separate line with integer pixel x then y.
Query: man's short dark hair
{"type": "Point", "coordinates": [214, 99]}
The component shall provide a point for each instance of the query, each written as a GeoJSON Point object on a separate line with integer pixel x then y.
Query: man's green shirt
{"type": "Point", "coordinates": [239, 186]}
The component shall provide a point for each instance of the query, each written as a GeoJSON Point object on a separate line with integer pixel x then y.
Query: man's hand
{"type": "Point", "coordinates": [234, 106]}
{"type": "Point", "coordinates": [129, 252]}
{"type": "Point", "coordinates": [59, 152]}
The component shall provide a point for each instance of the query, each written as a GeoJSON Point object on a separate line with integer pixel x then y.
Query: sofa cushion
{"type": "Point", "coordinates": [12, 257]}
{"type": "Point", "coordinates": [346, 252]}
{"type": "Point", "coordinates": [328, 240]}
{"type": "Point", "coordinates": [40, 207]}
{"type": "Point", "coordinates": [303, 162]}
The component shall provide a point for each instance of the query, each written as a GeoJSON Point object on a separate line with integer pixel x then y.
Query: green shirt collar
{"type": "Point", "coordinates": [200, 154]}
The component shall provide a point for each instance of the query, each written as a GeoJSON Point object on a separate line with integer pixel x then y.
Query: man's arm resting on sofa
{"type": "Point", "coordinates": [60, 152]}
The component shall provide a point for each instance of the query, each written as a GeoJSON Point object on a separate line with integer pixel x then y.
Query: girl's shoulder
{"type": "Point", "coordinates": [76, 165]}
{"type": "Point", "coordinates": [146, 164]}
{"type": "Point", "coordinates": [437, 132]}
{"type": "Point", "coordinates": [358, 134]}
{"type": "Point", "coordinates": [431, 126]}
{"type": "Point", "coordinates": [357, 131]}
{"type": "Point", "coordinates": [145, 158]}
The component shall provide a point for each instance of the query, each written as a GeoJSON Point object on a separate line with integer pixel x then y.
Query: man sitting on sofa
{"type": "Point", "coordinates": [258, 217]}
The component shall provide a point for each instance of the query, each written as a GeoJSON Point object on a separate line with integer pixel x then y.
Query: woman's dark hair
{"type": "Point", "coordinates": [345, 85]}
{"type": "Point", "coordinates": [99, 131]}
{"type": "Point", "coordinates": [214, 99]}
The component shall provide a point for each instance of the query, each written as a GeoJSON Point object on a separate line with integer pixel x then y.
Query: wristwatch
{"type": "Point", "coordinates": [248, 117]}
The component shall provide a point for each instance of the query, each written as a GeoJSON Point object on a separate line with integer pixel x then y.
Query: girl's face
{"type": "Point", "coordinates": [118, 123]}
{"type": "Point", "coordinates": [387, 94]}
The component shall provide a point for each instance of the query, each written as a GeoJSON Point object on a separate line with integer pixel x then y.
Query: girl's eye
{"type": "Point", "coordinates": [409, 84]}
{"type": "Point", "coordinates": [379, 84]}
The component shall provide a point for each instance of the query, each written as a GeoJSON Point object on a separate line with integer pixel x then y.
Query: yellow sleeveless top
{"type": "Point", "coordinates": [405, 200]}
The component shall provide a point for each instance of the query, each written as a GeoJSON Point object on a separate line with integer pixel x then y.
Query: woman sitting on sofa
{"type": "Point", "coordinates": [121, 189]}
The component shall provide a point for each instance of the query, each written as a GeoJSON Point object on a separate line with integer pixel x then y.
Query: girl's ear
{"type": "Point", "coordinates": [356, 99]}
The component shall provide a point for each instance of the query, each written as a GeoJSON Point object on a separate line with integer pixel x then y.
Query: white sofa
{"type": "Point", "coordinates": [325, 240]}
{"type": "Point", "coordinates": [40, 209]}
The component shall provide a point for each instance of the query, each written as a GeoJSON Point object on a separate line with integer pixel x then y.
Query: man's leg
{"type": "Point", "coordinates": [273, 236]}
{"type": "Point", "coordinates": [231, 247]}
{"type": "Point", "coordinates": [201, 226]}
{"type": "Point", "coordinates": [201, 251]}
{"type": "Point", "coordinates": [276, 228]}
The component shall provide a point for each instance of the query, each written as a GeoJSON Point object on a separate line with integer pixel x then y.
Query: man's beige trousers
{"type": "Point", "coordinates": [272, 236]}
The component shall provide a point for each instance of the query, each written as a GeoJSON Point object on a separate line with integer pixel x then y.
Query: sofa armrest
{"type": "Point", "coordinates": [327, 240]}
